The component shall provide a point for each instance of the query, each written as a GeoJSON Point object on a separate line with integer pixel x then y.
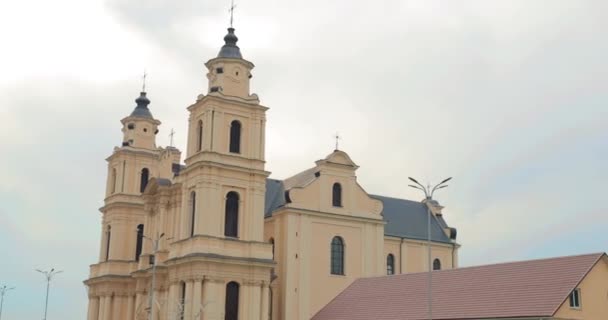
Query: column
{"type": "Point", "coordinates": [117, 307]}
{"type": "Point", "coordinates": [107, 308]}
{"type": "Point", "coordinates": [102, 307]}
{"type": "Point", "coordinates": [196, 300]}
{"type": "Point", "coordinates": [265, 302]}
{"type": "Point", "coordinates": [140, 304]}
{"type": "Point", "coordinates": [188, 300]}
{"type": "Point", "coordinates": [250, 302]}
{"type": "Point", "coordinates": [172, 301]}
{"type": "Point", "coordinates": [93, 308]}
{"type": "Point", "coordinates": [210, 297]}
{"type": "Point", "coordinates": [130, 307]}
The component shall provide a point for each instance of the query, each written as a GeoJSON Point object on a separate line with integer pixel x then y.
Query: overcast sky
{"type": "Point", "coordinates": [508, 97]}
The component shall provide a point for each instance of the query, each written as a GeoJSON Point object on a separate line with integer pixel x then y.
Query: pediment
{"type": "Point", "coordinates": [340, 158]}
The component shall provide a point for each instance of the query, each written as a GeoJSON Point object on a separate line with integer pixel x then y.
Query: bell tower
{"type": "Point", "coordinates": [221, 224]}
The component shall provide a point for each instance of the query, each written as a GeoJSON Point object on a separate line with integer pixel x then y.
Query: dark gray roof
{"type": "Point", "coordinates": [141, 110]}
{"type": "Point", "coordinates": [275, 196]}
{"type": "Point", "coordinates": [408, 219]}
{"type": "Point", "coordinates": [404, 218]}
{"type": "Point", "coordinates": [230, 49]}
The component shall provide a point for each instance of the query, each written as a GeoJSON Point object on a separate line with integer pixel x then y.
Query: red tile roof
{"type": "Point", "coordinates": [532, 288]}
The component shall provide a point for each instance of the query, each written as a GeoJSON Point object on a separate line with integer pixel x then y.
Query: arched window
{"type": "Point", "coordinates": [182, 301]}
{"type": "Point", "coordinates": [232, 301]}
{"type": "Point", "coordinates": [145, 174]}
{"type": "Point", "coordinates": [390, 264]}
{"type": "Point", "coordinates": [436, 264]}
{"type": "Point", "coordinates": [337, 195]}
{"type": "Point", "coordinates": [231, 224]}
{"type": "Point", "coordinates": [113, 180]}
{"type": "Point", "coordinates": [337, 256]}
{"type": "Point", "coordinates": [108, 236]}
{"type": "Point", "coordinates": [199, 136]}
{"type": "Point", "coordinates": [235, 137]}
{"type": "Point", "coordinates": [139, 242]}
{"type": "Point", "coordinates": [272, 243]}
{"type": "Point", "coordinates": [192, 212]}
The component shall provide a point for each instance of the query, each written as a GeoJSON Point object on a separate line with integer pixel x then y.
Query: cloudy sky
{"type": "Point", "coordinates": [508, 97]}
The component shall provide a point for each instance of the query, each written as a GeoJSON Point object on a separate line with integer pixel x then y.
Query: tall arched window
{"type": "Point", "coordinates": [337, 195]}
{"type": "Point", "coordinates": [235, 137]}
{"type": "Point", "coordinates": [199, 136]}
{"type": "Point", "coordinates": [337, 256]}
{"type": "Point", "coordinates": [108, 236]}
{"type": "Point", "coordinates": [232, 301]}
{"type": "Point", "coordinates": [390, 264]}
{"type": "Point", "coordinates": [192, 212]}
{"type": "Point", "coordinates": [436, 264]}
{"type": "Point", "coordinates": [113, 180]}
{"type": "Point", "coordinates": [139, 242]}
{"type": "Point", "coordinates": [145, 174]}
{"type": "Point", "coordinates": [231, 224]}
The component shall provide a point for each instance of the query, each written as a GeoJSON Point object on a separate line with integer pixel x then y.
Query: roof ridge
{"type": "Point", "coordinates": [598, 254]}
{"type": "Point", "coordinates": [394, 198]}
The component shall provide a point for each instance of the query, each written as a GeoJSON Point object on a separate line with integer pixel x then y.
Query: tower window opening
{"type": "Point", "coordinates": [199, 138]}
{"type": "Point", "coordinates": [235, 137]}
{"type": "Point", "coordinates": [337, 195]}
{"type": "Point", "coordinates": [231, 223]}
{"type": "Point", "coordinates": [219, 70]}
{"type": "Point", "coordinates": [145, 129]}
{"type": "Point", "coordinates": [232, 301]}
{"type": "Point", "coordinates": [337, 256]}
{"type": "Point", "coordinates": [145, 174]}
{"type": "Point", "coordinates": [390, 264]}
{"type": "Point", "coordinates": [139, 242]}
{"type": "Point", "coordinates": [436, 264]}
{"type": "Point", "coordinates": [192, 212]}
{"type": "Point", "coordinates": [113, 180]}
{"type": "Point", "coordinates": [131, 126]}
{"type": "Point", "coordinates": [108, 236]}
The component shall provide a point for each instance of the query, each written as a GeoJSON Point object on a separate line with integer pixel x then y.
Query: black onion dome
{"type": "Point", "coordinates": [141, 110]}
{"type": "Point", "coordinates": [230, 49]}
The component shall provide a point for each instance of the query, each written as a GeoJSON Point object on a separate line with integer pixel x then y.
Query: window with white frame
{"type": "Point", "coordinates": [575, 299]}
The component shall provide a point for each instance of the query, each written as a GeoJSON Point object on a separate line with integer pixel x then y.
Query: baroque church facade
{"type": "Point", "coordinates": [215, 238]}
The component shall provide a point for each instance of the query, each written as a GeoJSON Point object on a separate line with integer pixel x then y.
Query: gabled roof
{"type": "Point", "coordinates": [534, 288]}
{"type": "Point", "coordinates": [404, 218]}
{"type": "Point", "coordinates": [408, 219]}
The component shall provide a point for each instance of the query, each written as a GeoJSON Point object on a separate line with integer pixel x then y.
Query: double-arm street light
{"type": "Point", "coordinates": [49, 276]}
{"type": "Point", "coordinates": [3, 290]}
{"type": "Point", "coordinates": [428, 195]}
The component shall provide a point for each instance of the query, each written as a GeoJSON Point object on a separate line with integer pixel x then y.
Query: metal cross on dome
{"type": "Point", "coordinates": [171, 136]}
{"type": "Point", "coordinates": [231, 10]}
{"type": "Point", "coordinates": [143, 87]}
{"type": "Point", "coordinates": [338, 138]}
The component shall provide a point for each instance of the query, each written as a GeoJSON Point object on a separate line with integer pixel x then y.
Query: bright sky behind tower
{"type": "Point", "coordinates": [508, 97]}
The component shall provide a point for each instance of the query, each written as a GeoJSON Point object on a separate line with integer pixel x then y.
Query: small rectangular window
{"type": "Point", "coordinates": [219, 70]}
{"type": "Point", "coordinates": [575, 299]}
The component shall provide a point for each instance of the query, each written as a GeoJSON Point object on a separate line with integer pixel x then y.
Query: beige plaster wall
{"type": "Point", "coordinates": [594, 296]}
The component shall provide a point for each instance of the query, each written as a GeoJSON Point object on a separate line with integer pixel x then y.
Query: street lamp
{"type": "Point", "coordinates": [49, 276]}
{"type": "Point", "coordinates": [151, 293]}
{"type": "Point", "coordinates": [428, 195]}
{"type": "Point", "coordinates": [3, 290]}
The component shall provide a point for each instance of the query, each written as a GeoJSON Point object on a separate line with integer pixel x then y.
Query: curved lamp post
{"type": "Point", "coordinates": [428, 195]}
{"type": "Point", "coordinates": [49, 276]}
{"type": "Point", "coordinates": [3, 290]}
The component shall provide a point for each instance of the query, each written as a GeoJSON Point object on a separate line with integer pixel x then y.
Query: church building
{"type": "Point", "coordinates": [215, 238]}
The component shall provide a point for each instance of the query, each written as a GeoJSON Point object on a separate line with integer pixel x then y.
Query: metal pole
{"type": "Point", "coordinates": [3, 290]}
{"type": "Point", "coordinates": [430, 284]}
{"type": "Point", "coordinates": [151, 299]}
{"type": "Point", "coordinates": [46, 304]}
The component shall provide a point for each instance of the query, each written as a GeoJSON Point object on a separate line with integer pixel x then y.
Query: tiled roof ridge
{"type": "Point", "coordinates": [598, 254]}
